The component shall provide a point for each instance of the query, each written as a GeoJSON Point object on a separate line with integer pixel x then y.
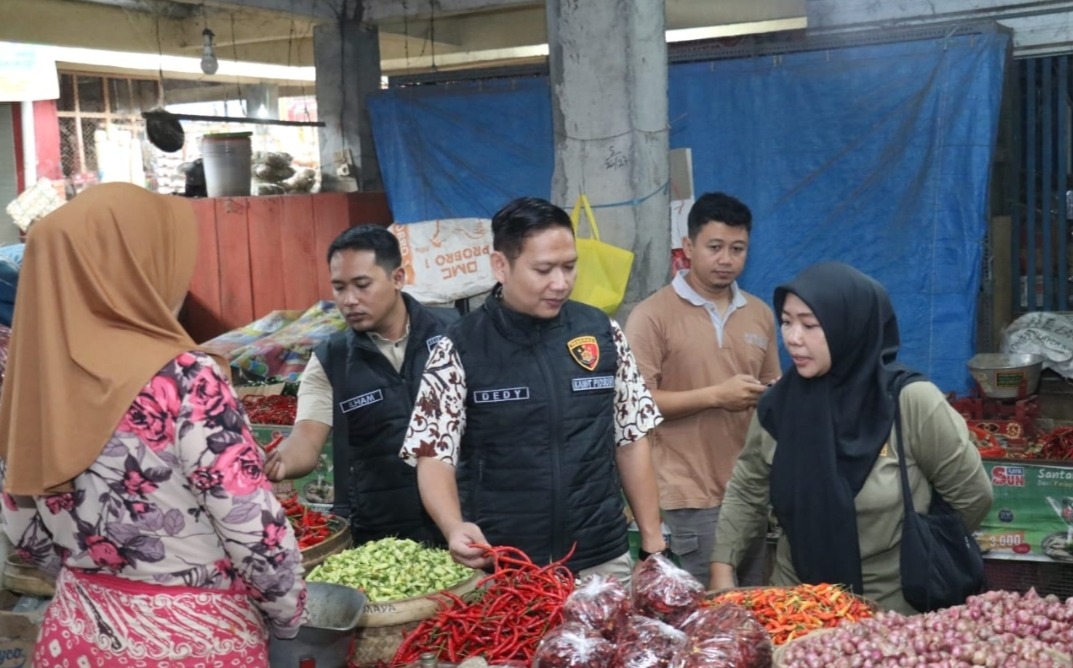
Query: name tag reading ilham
{"type": "Point", "coordinates": [361, 401]}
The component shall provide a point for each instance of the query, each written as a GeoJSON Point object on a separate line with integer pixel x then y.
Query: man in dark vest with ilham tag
{"type": "Point", "coordinates": [363, 382]}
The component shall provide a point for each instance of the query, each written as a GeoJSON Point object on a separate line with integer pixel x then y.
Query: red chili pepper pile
{"type": "Point", "coordinates": [1057, 444]}
{"type": "Point", "coordinates": [791, 612]}
{"type": "Point", "coordinates": [513, 609]}
{"type": "Point", "coordinates": [986, 444]}
{"type": "Point", "coordinates": [270, 408]}
{"type": "Point", "coordinates": [310, 527]}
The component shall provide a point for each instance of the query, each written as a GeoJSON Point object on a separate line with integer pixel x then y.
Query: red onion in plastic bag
{"type": "Point", "coordinates": [722, 649]}
{"type": "Point", "coordinates": [717, 618]}
{"type": "Point", "coordinates": [647, 643]}
{"type": "Point", "coordinates": [726, 632]}
{"type": "Point", "coordinates": [600, 603]}
{"type": "Point", "coordinates": [573, 645]}
{"type": "Point", "coordinates": [664, 591]}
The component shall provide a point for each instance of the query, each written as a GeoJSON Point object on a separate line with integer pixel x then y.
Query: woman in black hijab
{"type": "Point", "coordinates": [833, 478]}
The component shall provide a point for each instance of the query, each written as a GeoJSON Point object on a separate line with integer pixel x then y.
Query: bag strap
{"type": "Point", "coordinates": [575, 216]}
{"type": "Point", "coordinates": [907, 494]}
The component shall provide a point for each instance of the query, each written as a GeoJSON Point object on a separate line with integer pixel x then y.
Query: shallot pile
{"type": "Point", "coordinates": [997, 628]}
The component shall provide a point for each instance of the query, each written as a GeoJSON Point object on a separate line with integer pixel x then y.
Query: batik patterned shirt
{"type": "Point", "coordinates": [439, 417]}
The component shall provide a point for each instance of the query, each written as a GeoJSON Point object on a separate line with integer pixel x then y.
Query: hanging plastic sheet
{"type": "Point", "coordinates": [463, 150]}
{"type": "Point", "coordinates": [878, 156]}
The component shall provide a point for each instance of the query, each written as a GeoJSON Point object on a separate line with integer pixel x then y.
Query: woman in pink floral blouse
{"type": "Point", "coordinates": [127, 462]}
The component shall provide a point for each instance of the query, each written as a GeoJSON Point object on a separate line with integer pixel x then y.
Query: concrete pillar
{"type": "Point", "coordinates": [347, 57]}
{"type": "Point", "coordinates": [262, 100]}
{"type": "Point", "coordinates": [608, 65]}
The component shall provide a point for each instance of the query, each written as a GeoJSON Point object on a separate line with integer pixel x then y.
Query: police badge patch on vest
{"type": "Point", "coordinates": [585, 351]}
{"type": "Point", "coordinates": [361, 401]}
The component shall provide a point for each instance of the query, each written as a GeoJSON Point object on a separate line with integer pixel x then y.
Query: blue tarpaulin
{"type": "Point", "coordinates": [463, 150]}
{"type": "Point", "coordinates": [876, 155]}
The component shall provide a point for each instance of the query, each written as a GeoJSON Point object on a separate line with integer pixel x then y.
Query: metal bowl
{"type": "Point", "coordinates": [1006, 375]}
{"type": "Point", "coordinates": [332, 615]}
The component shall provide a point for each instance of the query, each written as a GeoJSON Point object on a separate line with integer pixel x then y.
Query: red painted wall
{"type": "Point", "coordinates": [20, 165]}
{"type": "Point", "coordinates": [260, 254]}
{"type": "Point", "coordinates": [47, 140]}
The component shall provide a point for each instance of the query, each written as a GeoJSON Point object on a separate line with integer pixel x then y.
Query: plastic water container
{"type": "Point", "coordinates": [227, 158]}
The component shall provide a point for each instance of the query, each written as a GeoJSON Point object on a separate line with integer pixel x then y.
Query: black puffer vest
{"type": "Point", "coordinates": [374, 403]}
{"type": "Point", "coordinates": [537, 464]}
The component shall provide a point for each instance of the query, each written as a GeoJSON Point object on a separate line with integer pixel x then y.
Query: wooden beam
{"type": "Point", "coordinates": [93, 26]}
{"type": "Point", "coordinates": [317, 10]}
{"type": "Point", "coordinates": [241, 34]}
{"type": "Point", "coordinates": [869, 13]}
{"type": "Point", "coordinates": [387, 11]}
{"type": "Point", "coordinates": [165, 8]}
{"type": "Point", "coordinates": [1039, 27]}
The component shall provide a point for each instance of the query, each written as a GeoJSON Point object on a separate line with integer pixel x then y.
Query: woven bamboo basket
{"type": "Point", "coordinates": [383, 626]}
{"type": "Point", "coordinates": [338, 540]}
{"type": "Point", "coordinates": [260, 390]}
{"type": "Point", "coordinates": [283, 488]}
{"type": "Point", "coordinates": [777, 660]}
{"type": "Point", "coordinates": [710, 595]}
{"type": "Point", "coordinates": [780, 650]}
{"type": "Point", "coordinates": [22, 578]}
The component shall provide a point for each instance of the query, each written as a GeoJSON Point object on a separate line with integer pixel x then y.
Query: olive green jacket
{"type": "Point", "coordinates": [940, 452]}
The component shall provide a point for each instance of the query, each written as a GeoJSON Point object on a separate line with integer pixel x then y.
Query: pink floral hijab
{"type": "Point", "coordinates": [93, 324]}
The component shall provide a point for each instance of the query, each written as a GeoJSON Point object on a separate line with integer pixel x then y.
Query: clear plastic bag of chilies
{"type": "Point", "coordinates": [664, 591]}
{"type": "Point", "coordinates": [724, 649]}
{"type": "Point", "coordinates": [600, 603]}
{"type": "Point", "coordinates": [724, 635]}
{"type": "Point", "coordinates": [647, 643]}
{"type": "Point", "coordinates": [573, 645]}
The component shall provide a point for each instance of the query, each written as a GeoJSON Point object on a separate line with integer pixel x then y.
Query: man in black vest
{"type": "Point", "coordinates": [532, 417]}
{"type": "Point", "coordinates": [363, 381]}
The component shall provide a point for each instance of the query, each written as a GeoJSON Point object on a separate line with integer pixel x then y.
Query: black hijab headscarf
{"type": "Point", "coordinates": [829, 429]}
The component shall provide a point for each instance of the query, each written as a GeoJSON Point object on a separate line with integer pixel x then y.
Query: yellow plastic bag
{"type": "Point", "coordinates": [603, 270]}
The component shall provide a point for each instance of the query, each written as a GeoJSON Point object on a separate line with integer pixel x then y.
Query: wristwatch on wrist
{"type": "Point", "coordinates": [642, 555]}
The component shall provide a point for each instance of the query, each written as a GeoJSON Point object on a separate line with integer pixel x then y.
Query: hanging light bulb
{"type": "Point", "coordinates": [209, 64]}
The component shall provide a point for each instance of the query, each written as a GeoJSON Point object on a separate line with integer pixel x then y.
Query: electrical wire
{"type": "Point", "coordinates": [238, 79]}
{"type": "Point", "coordinates": [432, 31]}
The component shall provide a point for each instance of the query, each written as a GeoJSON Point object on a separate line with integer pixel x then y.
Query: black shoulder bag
{"type": "Point", "coordinates": [941, 563]}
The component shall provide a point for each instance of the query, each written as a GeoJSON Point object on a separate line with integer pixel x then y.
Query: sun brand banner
{"type": "Point", "coordinates": [1032, 513]}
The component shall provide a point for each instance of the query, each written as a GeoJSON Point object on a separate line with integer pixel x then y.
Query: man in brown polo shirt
{"type": "Point", "coordinates": [707, 350]}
